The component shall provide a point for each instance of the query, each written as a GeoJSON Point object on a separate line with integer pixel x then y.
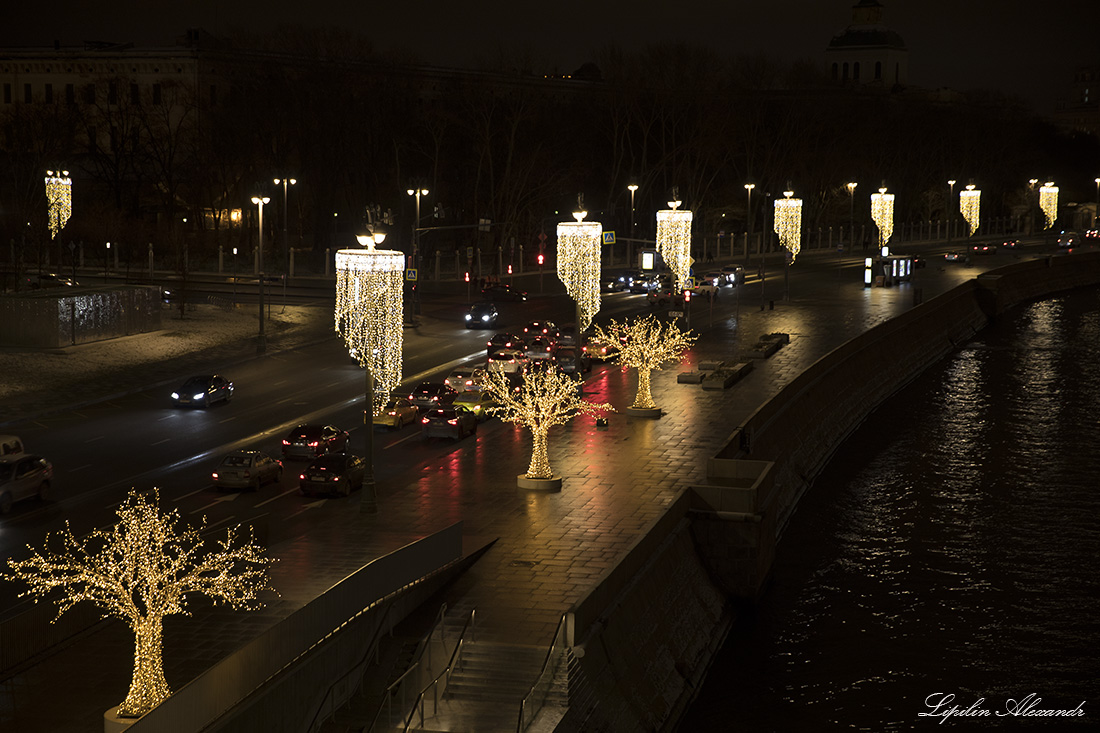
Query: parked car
{"type": "Point", "coordinates": [246, 469]}
{"type": "Point", "coordinates": [202, 390]}
{"type": "Point", "coordinates": [332, 474]}
{"type": "Point", "coordinates": [499, 291]}
{"type": "Point", "coordinates": [10, 445]}
{"type": "Point", "coordinates": [983, 249]}
{"type": "Point", "coordinates": [464, 379]}
{"type": "Point", "coordinates": [955, 256]}
{"type": "Point", "coordinates": [476, 402]}
{"type": "Point", "coordinates": [506, 360]}
{"type": "Point", "coordinates": [432, 394]}
{"type": "Point", "coordinates": [482, 315]}
{"type": "Point", "coordinates": [396, 414]}
{"type": "Point", "coordinates": [572, 361]}
{"type": "Point", "coordinates": [539, 349]}
{"type": "Point", "coordinates": [454, 421]}
{"type": "Point", "coordinates": [505, 341]}
{"type": "Point", "coordinates": [23, 476]}
{"type": "Point", "coordinates": [310, 441]}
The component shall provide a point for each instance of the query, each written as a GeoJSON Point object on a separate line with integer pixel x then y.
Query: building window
{"type": "Point", "coordinates": [89, 94]}
{"type": "Point", "coordinates": [844, 75]}
{"type": "Point", "coordinates": [112, 92]}
{"type": "Point", "coordinates": [878, 69]}
{"type": "Point", "coordinates": [7, 93]}
{"type": "Point", "coordinates": [834, 71]}
{"type": "Point", "coordinates": [70, 94]}
{"type": "Point", "coordinates": [49, 94]}
{"type": "Point", "coordinates": [156, 94]}
{"type": "Point", "coordinates": [135, 94]}
{"type": "Point", "coordinates": [27, 96]}
{"type": "Point", "coordinates": [855, 71]}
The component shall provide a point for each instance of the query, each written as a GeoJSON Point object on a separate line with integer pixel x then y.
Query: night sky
{"type": "Point", "coordinates": [1024, 48]}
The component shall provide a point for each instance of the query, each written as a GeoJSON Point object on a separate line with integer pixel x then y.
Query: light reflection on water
{"type": "Point", "coordinates": [950, 546]}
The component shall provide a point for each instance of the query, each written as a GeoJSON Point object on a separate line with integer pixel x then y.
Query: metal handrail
{"type": "Point", "coordinates": [372, 646]}
{"type": "Point", "coordinates": [423, 644]}
{"type": "Point", "coordinates": [521, 725]}
{"type": "Point", "coordinates": [418, 704]}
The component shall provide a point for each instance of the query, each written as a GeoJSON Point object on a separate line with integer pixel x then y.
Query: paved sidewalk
{"type": "Point", "coordinates": [551, 547]}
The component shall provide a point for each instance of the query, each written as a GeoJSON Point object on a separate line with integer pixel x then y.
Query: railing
{"type": "Point", "coordinates": [456, 658]}
{"type": "Point", "coordinates": [532, 702]}
{"type": "Point", "coordinates": [424, 643]}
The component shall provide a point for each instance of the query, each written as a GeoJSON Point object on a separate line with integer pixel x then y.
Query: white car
{"type": "Point", "coordinates": [23, 476]}
{"type": "Point", "coordinates": [466, 379]}
{"type": "Point", "coordinates": [508, 361]}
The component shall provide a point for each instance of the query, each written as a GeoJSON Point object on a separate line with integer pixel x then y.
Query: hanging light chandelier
{"type": "Point", "coordinates": [788, 223]}
{"type": "Point", "coordinates": [1048, 202]}
{"type": "Point", "coordinates": [674, 239]}
{"type": "Point", "coordinates": [970, 207]}
{"type": "Point", "coordinates": [59, 197]}
{"type": "Point", "coordinates": [579, 263]}
{"type": "Point", "coordinates": [882, 212]}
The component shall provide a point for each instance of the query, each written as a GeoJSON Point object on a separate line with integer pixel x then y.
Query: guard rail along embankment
{"type": "Point", "coordinates": [772, 458]}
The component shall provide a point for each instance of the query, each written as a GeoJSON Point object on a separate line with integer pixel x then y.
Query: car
{"type": "Point", "coordinates": [918, 262]}
{"type": "Point", "coordinates": [614, 282]}
{"type": "Point", "coordinates": [396, 414]}
{"type": "Point", "coordinates": [246, 469]}
{"type": "Point", "coordinates": [482, 315]}
{"type": "Point", "coordinates": [505, 341]}
{"type": "Point", "coordinates": [572, 361]}
{"type": "Point", "coordinates": [53, 280]}
{"type": "Point", "coordinates": [465, 379]}
{"type": "Point", "coordinates": [432, 394]}
{"type": "Point", "coordinates": [312, 440]}
{"type": "Point", "coordinates": [336, 473]}
{"type": "Point", "coordinates": [983, 249]}
{"type": "Point", "coordinates": [23, 476]}
{"type": "Point", "coordinates": [567, 336]}
{"type": "Point", "coordinates": [540, 348]}
{"type": "Point", "coordinates": [955, 256]}
{"type": "Point", "coordinates": [453, 421]}
{"type": "Point", "coordinates": [1069, 240]}
{"type": "Point", "coordinates": [713, 278]}
{"type": "Point", "coordinates": [499, 291]}
{"type": "Point", "coordinates": [506, 360]}
{"type": "Point", "coordinates": [735, 274]}
{"type": "Point", "coordinates": [477, 402]}
{"type": "Point", "coordinates": [665, 296]}
{"type": "Point", "coordinates": [643, 282]}
{"type": "Point", "coordinates": [540, 328]}
{"type": "Point", "coordinates": [203, 390]}
{"type": "Point", "coordinates": [600, 349]}
{"type": "Point", "coordinates": [1010, 244]}
{"type": "Point", "coordinates": [1092, 234]}
{"type": "Point", "coordinates": [707, 289]}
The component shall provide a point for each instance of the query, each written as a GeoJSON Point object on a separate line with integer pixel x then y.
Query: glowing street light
{"type": "Point", "coordinates": [632, 187]}
{"type": "Point", "coordinates": [748, 226]}
{"type": "Point", "coordinates": [948, 209]}
{"type": "Point", "coordinates": [59, 197]}
{"type": "Point", "coordinates": [417, 192]}
{"type": "Point", "coordinates": [286, 217]}
{"type": "Point", "coordinates": [1048, 202]}
{"type": "Point", "coordinates": [369, 315]}
{"type": "Point", "coordinates": [851, 186]}
{"type": "Point", "coordinates": [970, 207]}
{"type": "Point", "coordinates": [261, 344]}
{"type": "Point", "coordinates": [882, 212]}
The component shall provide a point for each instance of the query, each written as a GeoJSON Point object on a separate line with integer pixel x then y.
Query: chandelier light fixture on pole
{"type": "Point", "coordinates": [579, 263]}
{"type": "Point", "coordinates": [882, 212]}
{"type": "Point", "coordinates": [1048, 202]}
{"type": "Point", "coordinates": [674, 239]}
{"type": "Point", "coordinates": [788, 223]}
{"type": "Point", "coordinates": [59, 195]}
{"type": "Point", "coordinates": [970, 206]}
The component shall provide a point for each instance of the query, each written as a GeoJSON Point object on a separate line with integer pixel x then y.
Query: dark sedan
{"type": "Point", "coordinates": [500, 291]}
{"type": "Point", "coordinates": [310, 441]}
{"type": "Point", "coordinates": [337, 473]}
{"type": "Point", "coordinates": [432, 394]}
{"type": "Point", "coordinates": [203, 390]}
{"type": "Point", "coordinates": [505, 341]}
{"type": "Point", "coordinates": [482, 315]}
{"type": "Point", "coordinates": [455, 422]}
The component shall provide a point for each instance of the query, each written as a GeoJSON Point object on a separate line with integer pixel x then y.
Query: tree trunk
{"type": "Point", "coordinates": [540, 460]}
{"type": "Point", "coordinates": [148, 686]}
{"type": "Point", "coordinates": [644, 399]}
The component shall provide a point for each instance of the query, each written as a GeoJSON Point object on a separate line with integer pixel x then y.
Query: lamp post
{"type": "Point", "coordinates": [417, 192]}
{"type": "Point", "coordinates": [1096, 211]}
{"type": "Point", "coordinates": [852, 213]}
{"type": "Point", "coordinates": [632, 187]}
{"type": "Point", "coordinates": [286, 216]}
{"type": "Point", "coordinates": [261, 343]}
{"type": "Point", "coordinates": [949, 208]}
{"type": "Point", "coordinates": [106, 261]}
{"type": "Point", "coordinates": [748, 227]}
{"type": "Point", "coordinates": [1031, 183]}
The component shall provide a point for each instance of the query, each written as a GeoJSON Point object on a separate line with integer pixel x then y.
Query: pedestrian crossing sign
{"type": "Point", "coordinates": [609, 237]}
{"type": "Point", "coordinates": [689, 283]}
{"type": "Point", "coordinates": [410, 274]}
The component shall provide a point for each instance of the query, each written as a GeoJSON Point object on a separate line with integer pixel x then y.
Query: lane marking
{"type": "Point", "coordinates": [277, 496]}
{"type": "Point", "coordinates": [161, 441]}
{"type": "Point", "coordinates": [92, 440]}
{"type": "Point", "coordinates": [196, 491]}
{"type": "Point", "coordinates": [227, 419]}
{"type": "Point", "coordinates": [166, 417]}
{"type": "Point", "coordinates": [398, 442]}
{"type": "Point", "coordinates": [80, 468]}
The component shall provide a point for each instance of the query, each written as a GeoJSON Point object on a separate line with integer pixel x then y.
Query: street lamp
{"type": "Point", "coordinates": [948, 209]}
{"type": "Point", "coordinates": [748, 227]}
{"type": "Point", "coordinates": [106, 260]}
{"type": "Point", "coordinates": [286, 216]}
{"type": "Point", "coordinates": [632, 187]}
{"type": "Point", "coordinates": [1096, 211]}
{"type": "Point", "coordinates": [261, 344]}
{"type": "Point", "coordinates": [1031, 183]}
{"type": "Point", "coordinates": [417, 192]}
{"type": "Point", "coordinates": [370, 315]}
{"type": "Point", "coordinates": [852, 213]}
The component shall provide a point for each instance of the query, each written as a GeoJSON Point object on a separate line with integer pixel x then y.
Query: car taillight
{"type": "Point", "coordinates": [286, 442]}
{"type": "Point", "coordinates": [314, 444]}
{"type": "Point", "coordinates": [301, 477]}
{"type": "Point", "coordinates": [435, 397]}
{"type": "Point", "coordinates": [214, 476]}
{"type": "Point", "coordinates": [453, 421]}
{"type": "Point", "coordinates": [424, 420]}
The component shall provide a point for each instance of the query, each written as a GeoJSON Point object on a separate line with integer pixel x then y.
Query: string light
{"type": "Point", "coordinates": [882, 212]}
{"type": "Point", "coordinates": [579, 264]}
{"type": "Point", "coordinates": [645, 344]}
{"type": "Point", "coordinates": [546, 397]}
{"type": "Point", "coordinates": [674, 240]}
{"type": "Point", "coordinates": [59, 195]}
{"type": "Point", "coordinates": [1048, 202]}
{"type": "Point", "coordinates": [970, 207]}
{"type": "Point", "coordinates": [141, 570]}
{"type": "Point", "coordinates": [370, 313]}
{"type": "Point", "coordinates": [788, 223]}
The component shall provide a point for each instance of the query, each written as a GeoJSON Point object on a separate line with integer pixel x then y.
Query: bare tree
{"type": "Point", "coordinates": [645, 344]}
{"type": "Point", "coordinates": [141, 570]}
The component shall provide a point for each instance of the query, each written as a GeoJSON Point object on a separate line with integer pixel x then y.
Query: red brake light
{"type": "Point", "coordinates": [453, 421]}
{"type": "Point", "coordinates": [214, 476]}
{"type": "Point", "coordinates": [286, 442]}
{"type": "Point", "coordinates": [313, 444]}
{"type": "Point", "coordinates": [301, 477]}
{"type": "Point", "coordinates": [424, 420]}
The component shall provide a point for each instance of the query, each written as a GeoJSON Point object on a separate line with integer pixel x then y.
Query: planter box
{"type": "Point", "coordinates": [692, 377]}
{"type": "Point", "coordinates": [721, 379]}
{"type": "Point", "coordinates": [711, 366]}
{"type": "Point", "coordinates": [763, 349]}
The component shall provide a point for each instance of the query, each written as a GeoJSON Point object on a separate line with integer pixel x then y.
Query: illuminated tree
{"type": "Point", "coordinates": [141, 570]}
{"type": "Point", "coordinates": [645, 344]}
{"type": "Point", "coordinates": [545, 398]}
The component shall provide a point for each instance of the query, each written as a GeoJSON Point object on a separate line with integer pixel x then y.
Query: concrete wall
{"type": "Point", "coordinates": [60, 317]}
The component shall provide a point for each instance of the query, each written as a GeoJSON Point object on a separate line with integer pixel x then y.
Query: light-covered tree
{"type": "Point", "coordinates": [546, 397]}
{"type": "Point", "coordinates": [645, 344]}
{"type": "Point", "coordinates": [141, 570]}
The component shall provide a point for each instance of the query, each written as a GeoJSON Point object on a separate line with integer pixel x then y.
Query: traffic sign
{"type": "Point", "coordinates": [609, 237]}
{"type": "Point", "coordinates": [689, 283]}
{"type": "Point", "coordinates": [410, 274]}
{"type": "Point", "coordinates": [469, 253]}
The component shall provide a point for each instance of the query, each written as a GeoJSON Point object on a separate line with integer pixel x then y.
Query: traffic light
{"type": "Point", "coordinates": [687, 296]}
{"type": "Point", "coordinates": [467, 277]}
{"type": "Point", "coordinates": [541, 259]}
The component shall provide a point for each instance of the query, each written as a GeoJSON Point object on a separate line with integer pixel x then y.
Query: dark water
{"type": "Point", "coordinates": [951, 546]}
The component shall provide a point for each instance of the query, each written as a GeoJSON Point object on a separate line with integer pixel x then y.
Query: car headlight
{"type": "Point", "coordinates": [468, 317]}
{"type": "Point", "coordinates": [198, 396]}
{"type": "Point", "coordinates": [175, 395]}
{"type": "Point", "coordinates": [485, 318]}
